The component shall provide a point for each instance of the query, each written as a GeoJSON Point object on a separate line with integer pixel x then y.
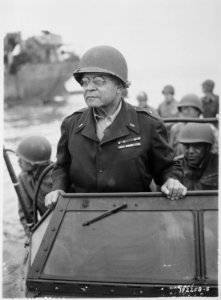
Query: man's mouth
{"type": "Point", "coordinates": [91, 97]}
{"type": "Point", "coordinates": [191, 158]}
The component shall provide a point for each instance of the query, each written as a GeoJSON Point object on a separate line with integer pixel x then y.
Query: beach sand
{"type": "Point", "coordinates": [13, 279]}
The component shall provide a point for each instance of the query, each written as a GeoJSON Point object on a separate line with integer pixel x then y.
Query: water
{"type": "Point", "coordinates": [20, 121]}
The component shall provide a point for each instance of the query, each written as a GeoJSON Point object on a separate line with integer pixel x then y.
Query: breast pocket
{"type": "Point", "coordinates": [129, 150]}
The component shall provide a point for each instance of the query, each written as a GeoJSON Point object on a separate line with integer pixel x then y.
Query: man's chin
{"type": "Point", "coordinates": [192, 163]}
{"type": "Point", "coordinates": [93, 102]}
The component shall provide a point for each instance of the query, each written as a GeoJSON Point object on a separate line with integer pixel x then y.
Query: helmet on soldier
{"type": "Point", "coordinates": [103, 59]}
{"type": "Point", "coordinates": [190, 100]}
{"type": "Point", "coordinates": [196, 133]}
{"type": "Point", "coordinates": [168, 89]}
{"type": "Point", "coordinates": [34, 150]}
{"type": "Point", "coordinates": [208, 85]}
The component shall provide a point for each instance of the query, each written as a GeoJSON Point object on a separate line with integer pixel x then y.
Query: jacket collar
{"type": "Point", "coordinates": [125, 122]}
{"type": "Point", "coordinates": [86, 125]}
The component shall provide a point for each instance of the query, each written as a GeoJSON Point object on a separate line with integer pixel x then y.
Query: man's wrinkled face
{"type": "Point", "coordinates": [189, 112]}
{"type": "Point", "coordinates": [195, 153]}
{"type": "Point", "coordinates": [100, 90]}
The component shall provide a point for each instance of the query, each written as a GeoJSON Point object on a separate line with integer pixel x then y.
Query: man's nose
{"type": "Point", "coordinates": [191, 149]}
{"type": "Point", "coordinates": [91, 86]}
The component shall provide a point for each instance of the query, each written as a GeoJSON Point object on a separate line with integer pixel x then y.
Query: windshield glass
{"type": "Point", "coordinates": [211, 243]}
{"type": "Point", "coordinates": [138, 247]}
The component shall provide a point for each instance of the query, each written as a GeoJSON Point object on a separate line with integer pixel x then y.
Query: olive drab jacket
{"type": "Point", "coordinates": [210, 106]}
{"type": "Point", "coordinates": [134, 150]}
{"type": "Point", "coordinates": [28, 182]}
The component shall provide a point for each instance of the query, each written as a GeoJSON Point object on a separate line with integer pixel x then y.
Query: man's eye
{"type": "Point", "coordinates": [98, 81]}
{"type": "Point", "coordinates": [84, 81]}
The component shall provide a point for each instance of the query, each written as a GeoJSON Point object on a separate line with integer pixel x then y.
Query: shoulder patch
{"type": "Point", "coordinates": [146, 111]}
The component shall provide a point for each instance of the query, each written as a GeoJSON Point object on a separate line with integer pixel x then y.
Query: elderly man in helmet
{"type": "Point", "coordinates": [189, 107]}
{"type": "Point", "coordinates": [210, 102]}
{"type": "Point", "coordinates": [200, 162]}
{"type": "Point", "coordinates": [34, 154]}
{"type": "Point", "coordinates": [110, 146]}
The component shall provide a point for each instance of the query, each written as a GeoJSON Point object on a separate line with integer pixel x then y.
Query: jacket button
{"type": "Point", "coordinates": [100, 171]}
{"type": "Point", "coordinates": [99, 148]}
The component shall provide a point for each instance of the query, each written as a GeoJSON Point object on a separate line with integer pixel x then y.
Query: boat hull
{"type": "Point", "coordinates": [38, 81]}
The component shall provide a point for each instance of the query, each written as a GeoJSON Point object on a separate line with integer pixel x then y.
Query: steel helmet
{"type": "Point", "coordinates": [208, 85]}
{"type": "Point", "coordinates": [190, 100]}
{"type": "Point", "coordinates": [142, 95]}
{"type": "Point", "coordinates": [34, 149]}
{"type": "Point", "coordinates": [103, 59]}
{"type": "Point", "coordinates": [196, 133]}
{"type": "Point", "coordinates": [168, 89]}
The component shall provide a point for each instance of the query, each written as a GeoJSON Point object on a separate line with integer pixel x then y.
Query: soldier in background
{"type": "Point", "coordinates": [189, 107]}
{"type": "Point", "coordinates": [210, 102]}
{"type": "Point", "coordinates": [200, 161]}
{"type": "Point", "coordinates": [34, 154]}
{"type": "Point", "coordinates": [142, 100]}
{"type": "Point", "coordinates": [168, 108]}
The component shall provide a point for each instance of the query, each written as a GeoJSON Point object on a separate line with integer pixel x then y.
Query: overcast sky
{"type": "Point", "coordinates": [164, 41]}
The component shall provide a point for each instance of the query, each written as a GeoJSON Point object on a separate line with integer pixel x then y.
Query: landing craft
{"type": "Point", "coordinates": [36, 68]}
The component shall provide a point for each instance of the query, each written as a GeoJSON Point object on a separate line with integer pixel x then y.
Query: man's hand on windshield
{"type": "Point", "coordinates": [173, 189]}
{"type": "Point", "coordinates": [52, 198]}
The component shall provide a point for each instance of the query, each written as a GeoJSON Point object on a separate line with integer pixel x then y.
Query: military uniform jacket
{"type": "Point", "coordinates": [28, 183]}
{"type": "Point", "coordinates": [210, 106]}
{"type": "Point", "coordinates": [133, 150]}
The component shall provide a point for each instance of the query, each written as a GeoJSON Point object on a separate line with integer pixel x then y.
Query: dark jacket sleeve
{"type": "Point", "coordinates": [162, 157]}
{"type": "Point", "coordinates": [60, 174]}
{"type": "Point", "coordinates": [26, 191]}
{"type": "Point", "coordinates": [45, 188]}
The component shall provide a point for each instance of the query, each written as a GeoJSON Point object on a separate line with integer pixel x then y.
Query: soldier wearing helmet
{"type": "Point", "coordinates": [188, 107]}
{"type": "Point", "coordinates": [200, 162]}
{"type": "Point", "coordinates": [142, 100]}
{"type": "Point", "coordinates": [110, 146]}
{"type": "Point", "coordinates": [34, 154]}
{"type": "Point", "coordinates": [210, 102]}
{"type": "Point", "coordinates": [168, 108]}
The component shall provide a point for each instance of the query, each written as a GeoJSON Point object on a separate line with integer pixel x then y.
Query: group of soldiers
{"type": "Point", "coordinates": [196, 144]}
{"type": "Point", "coordinates": [111, 146]}
{"type": "Point", "coordinates": [190, 106]}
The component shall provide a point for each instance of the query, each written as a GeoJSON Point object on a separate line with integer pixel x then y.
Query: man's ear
{"type": "Point", "coordinates": [119, 89]}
